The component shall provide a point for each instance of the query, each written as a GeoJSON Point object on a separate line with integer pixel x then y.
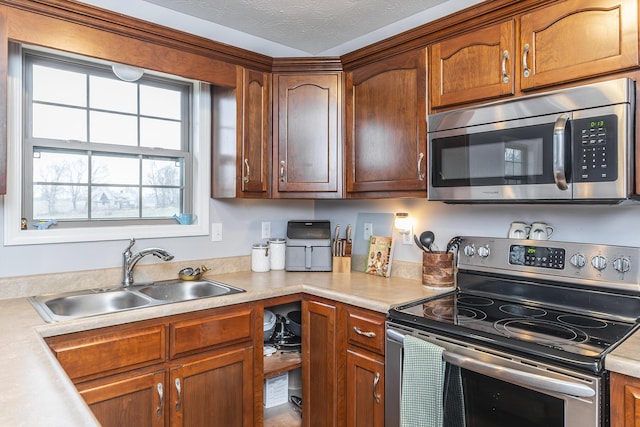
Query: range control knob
{"type": "Point", "coordinates": [622, 264]}
{"type": "Point", "coordinates": [599, 262]}
{"type": "Point", "coordinates": [483, 251]}
{"type": "Point", "coordinates": [578, 260]}
{"type": "Point", "coordinates": [469, 250]}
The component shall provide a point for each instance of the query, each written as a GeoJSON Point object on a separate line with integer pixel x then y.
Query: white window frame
{"type": "Point", "coordinates": [201, 146]}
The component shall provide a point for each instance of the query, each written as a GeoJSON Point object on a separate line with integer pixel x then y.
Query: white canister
{"type": "Point", "coordinates": [260, 261]}
{"type": "Point", "coordinates": [276, 253]}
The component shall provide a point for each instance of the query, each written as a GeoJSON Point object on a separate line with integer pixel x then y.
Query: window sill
{"type": "Point", "coordinates": [51, 235]}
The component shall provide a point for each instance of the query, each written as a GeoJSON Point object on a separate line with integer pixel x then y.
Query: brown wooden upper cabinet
{"type": "Point", "coordinates": [385, 105]}
{"type": "Point", "coordinates": [473, 66]}
{"type": "Point", "coordinates": [254, 148]}
{"type": "Point", "coordinates": [307, 139]}
{"type": "Point", "coordinates": [556, 44]}
{"type": "Point", "coordinates": [576, 39]}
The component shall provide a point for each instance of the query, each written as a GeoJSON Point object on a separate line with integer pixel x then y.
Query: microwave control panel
{"type": "Point", "coordinates": [595, 149]}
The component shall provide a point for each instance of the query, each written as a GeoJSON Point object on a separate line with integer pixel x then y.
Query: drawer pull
{"type": "Point", "coordinates": [363, 333]}
{"type": "Point", "coordinates": [160, 396]}
{"type": "Point", "coordinates": [376, 380]}
{"type": "Point", "coordinates": [179, 389]}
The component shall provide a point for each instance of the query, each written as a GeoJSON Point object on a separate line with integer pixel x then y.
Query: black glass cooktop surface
{"type": "Point", "coordinates": [574, 327]}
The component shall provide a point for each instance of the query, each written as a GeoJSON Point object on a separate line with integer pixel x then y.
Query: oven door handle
{"type": "Point", "coordinates": [518, 377]}
{"type": "Point", "coordinates": [507, 374]}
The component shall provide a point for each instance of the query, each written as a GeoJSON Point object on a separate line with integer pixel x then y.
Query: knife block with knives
{"type": "Point", "coordinates": [341, 249]}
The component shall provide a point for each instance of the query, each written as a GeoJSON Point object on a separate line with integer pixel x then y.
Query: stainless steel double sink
{"type": "Point", "coordinates": [95, 302]}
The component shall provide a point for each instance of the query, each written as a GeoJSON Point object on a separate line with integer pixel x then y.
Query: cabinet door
{"type": "Point", "coordinates": [131, 400]}
{"type": "Point", "coordinates": [319, 364]}
{"type": "Point", "coordinates": [625, 401]}
{"type": "Point", "coordinates": [306, 137]}
{"type": "Point", "coordinates": [213, 391]}
{"type": "Point", "coordinates": [365, 389]}
{"type": "Point", "coordinates": [474, 66]}
{"type": "Point", "coordinates": [254, 152]}
{"type": "Point", "coordinates": [386, 127]}
{"type": "Point", "coordinates": [575, 39]}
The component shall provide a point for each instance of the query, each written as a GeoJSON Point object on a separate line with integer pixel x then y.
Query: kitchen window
{"type": "Point", "coordinates": [100, 156]}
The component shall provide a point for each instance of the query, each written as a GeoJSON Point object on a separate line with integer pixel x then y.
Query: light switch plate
{"type": "Point", "coordinates": [216, 231]}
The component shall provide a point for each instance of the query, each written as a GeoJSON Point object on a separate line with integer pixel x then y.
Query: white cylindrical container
{"type": "Point", "coordinates": [276, 253]}
{"type": "Point", "coordinates": [260, 261]}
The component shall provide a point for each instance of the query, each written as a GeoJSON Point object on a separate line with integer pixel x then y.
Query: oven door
{"type": "Point", "coordinates": [502, 390]}
{"type": "Point", "coordinates": [521, 159]}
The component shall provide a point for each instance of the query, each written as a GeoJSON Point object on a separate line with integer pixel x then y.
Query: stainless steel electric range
{"type": "Point", "coordinates": [528, 327]}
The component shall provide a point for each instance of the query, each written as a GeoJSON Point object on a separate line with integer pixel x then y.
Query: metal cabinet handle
{"type": "Point", "coordinates": [282, 166]}
{"type": "Point", "coordinates": [179, 389]}
{"type": "Point", "coordinates": [525, 67]}
{"type": "Point", "coordinates": [248, 174]}
{"type": "Point", "coordinates": [363, 333]}
{"type": "Point", "coordinates": [505, 76]}
{"type": "Point", "coordinates": [559, 175]}
{"type": "Point", "coordinates": [160, 396]}
{"type": "Point", "coordinates": [420, 174]}
{"type": "Point", "coordinates": [376, 380]}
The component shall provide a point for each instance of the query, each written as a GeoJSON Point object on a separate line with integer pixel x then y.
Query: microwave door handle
{"type": "Point", "coordinates": [559, 144]}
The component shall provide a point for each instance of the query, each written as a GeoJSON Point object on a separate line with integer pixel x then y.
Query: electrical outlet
{"type": "Point", "coordinates": [266, 229]}
{"type": "Point", "coordinates": [216, 231]}
{"type": "Point", "coordinates": [407, 238]}
{"type": "Point", "coordinates": [368, 231]}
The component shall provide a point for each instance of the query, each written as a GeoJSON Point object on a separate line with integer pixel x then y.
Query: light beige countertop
{"type": "Point", "coordinates": [37, 392]}
{"type": "Point", "coordinates": [625, 359]}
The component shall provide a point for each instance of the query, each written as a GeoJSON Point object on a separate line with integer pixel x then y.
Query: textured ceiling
{"type": "Point", "coordinates": [312, 26]}
{"type": "Point", "coordinates": [290, 27]}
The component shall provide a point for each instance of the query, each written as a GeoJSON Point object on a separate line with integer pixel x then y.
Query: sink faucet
{"type": "Point", "coordinates": [129, 260]}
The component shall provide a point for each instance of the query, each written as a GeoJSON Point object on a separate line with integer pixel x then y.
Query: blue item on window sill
{"type": "Point", "coordinates": [43, 225]}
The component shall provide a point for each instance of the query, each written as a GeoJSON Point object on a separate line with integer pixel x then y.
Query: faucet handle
{"type": "Point", "coordinates": [131, 243]}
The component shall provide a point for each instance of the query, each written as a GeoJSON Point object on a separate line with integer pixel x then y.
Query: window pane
{"type": "Point", "coordinates": [159, 102]}
{"type": "Point", "coordinates": [115, 170]}
{"type": "Point", "coordinates": [114, 202]}
{"type": "Point", "coordinates": [59, 123]}
{"type": "Point", "coordinates": [59, 167]}
{"type": "Point", "coordinates": [59, 202]}
{"type": "Point", "coordinates": [59, 86]}
{"type": "Point", "coordinates": [113, 95]}
{"type": "Point", "coordinates": [160, 134]}
{"type": "Point", "coordinates": [160, 202]}
{"type": "Point", "coordinates": [161, 172]}
{"type": "Point", "coordinates": [108, 128]}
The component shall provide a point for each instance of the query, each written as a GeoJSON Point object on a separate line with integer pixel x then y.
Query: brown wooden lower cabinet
{"type": "Point", "coordinates": [136, 399]}
{"type": "Point", "coordinates": [625, 401]}
{"type": "Point", "coordinates": [343, 364]}
{"type": "Point", "coordinates": [319, 363]}
{"type": "Point", "coordinates": [213, 391]}
{"type": "Point", "coordinates": [142, 381]}
{"type": "Point", "coordinates": [365, 389]}
{"type": "Point", "coordinates": [204, 369]}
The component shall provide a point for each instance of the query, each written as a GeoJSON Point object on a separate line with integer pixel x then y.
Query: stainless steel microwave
{"type": "Point", "coordinates": [574, 144]}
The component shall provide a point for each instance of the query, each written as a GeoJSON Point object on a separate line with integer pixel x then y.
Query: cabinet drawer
{"type": "Point", "coordinates": [199, 334]}
{"type": "Point", "coordinates": [86, 355]}
{"type": "Point", "coordinates": [366, 329]}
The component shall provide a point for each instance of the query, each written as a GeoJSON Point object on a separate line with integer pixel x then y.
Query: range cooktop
{"type": "Point", "coordinates": [536, 298]}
